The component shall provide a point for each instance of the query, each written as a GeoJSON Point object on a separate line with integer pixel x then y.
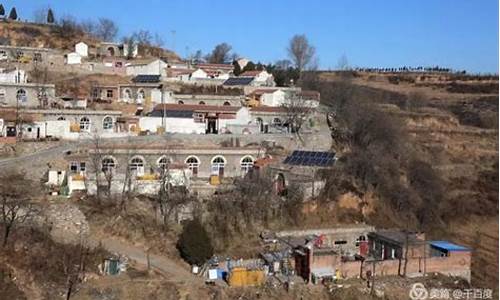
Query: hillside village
{"type": "Point", "coordinates": [153, 176]}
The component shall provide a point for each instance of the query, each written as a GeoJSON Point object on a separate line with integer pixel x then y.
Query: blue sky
{"type": "Point", "coordinates": [461, 34]}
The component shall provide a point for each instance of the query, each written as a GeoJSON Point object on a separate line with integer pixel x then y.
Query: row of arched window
{"type": "Point", "coordinates": [107, 123]}
{"type": "Point", "coordinates": [226, 103]}
{"type": "Point", "coordinates": [137, 164]}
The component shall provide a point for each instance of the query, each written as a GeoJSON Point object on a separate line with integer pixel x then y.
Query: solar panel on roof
{"type": "Point", "coordinates": [310, 158]}
{"type": "Point", "coordinates": [238, 81]}
{"type": "Point", "coordinates": [146, 78]}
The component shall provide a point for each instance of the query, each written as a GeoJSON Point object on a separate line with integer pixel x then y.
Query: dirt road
{"type": "Point", "coordinates": [166, 266]}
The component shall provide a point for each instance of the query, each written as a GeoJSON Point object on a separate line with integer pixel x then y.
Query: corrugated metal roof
{"type": "Point", "coordinates": [448, 246]}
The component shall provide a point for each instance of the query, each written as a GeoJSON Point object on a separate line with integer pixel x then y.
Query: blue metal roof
{"type": "Point", "coordinates": [448, 246]}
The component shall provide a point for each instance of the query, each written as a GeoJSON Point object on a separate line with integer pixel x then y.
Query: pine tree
{"type": "Point", "coordinates": [50, 16]}
{"type": "Point", "coordinates": [13, 14]}
{"type": "Point", "coordinates": [2, 10]}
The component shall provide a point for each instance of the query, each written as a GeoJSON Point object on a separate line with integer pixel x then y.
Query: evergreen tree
{"type": "Point", "coordinates": [249, 67]}
{"type": "Point", "coordinates": [194, 244]}
{"type": "Point", "coordinates": [50, 16]}
{"type": "Point", "coordinates": [13, 14]}
{"type": "Point", "coordinates": [237, 68]}
{"type": "Point", "coordinates": [2, 10]}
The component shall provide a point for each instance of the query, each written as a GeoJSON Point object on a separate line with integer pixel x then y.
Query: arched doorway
{"type": "Point", "coordinates": [260, 122]}
{"type": "Point", "coordinates": [111, 51]}
{"type": "Point", "coordinates": [280, 185]}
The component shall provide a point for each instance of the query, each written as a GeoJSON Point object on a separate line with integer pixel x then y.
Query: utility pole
{"type": "Point", "coordinates": [163, 123]}
{"type": "Point", "coordinates": [173, 39]}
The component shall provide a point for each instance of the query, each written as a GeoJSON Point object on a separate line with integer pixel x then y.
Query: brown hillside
{"type": "Point", "coordinates": [51, 36]}
{"type": "Point", "coordinates": [453, 124]}
{"type": "Point", "coordinates": [40, 35]}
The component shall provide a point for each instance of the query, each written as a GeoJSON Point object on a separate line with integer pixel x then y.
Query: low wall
{"type": "Point", "coordinates": [457, 264]}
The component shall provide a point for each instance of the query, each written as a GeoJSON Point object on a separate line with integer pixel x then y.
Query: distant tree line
{"type": "Point", "coordinates": [436, 69]}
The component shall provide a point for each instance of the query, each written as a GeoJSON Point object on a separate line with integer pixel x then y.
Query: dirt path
{"type": "Point", "coordinates": [166, 266]}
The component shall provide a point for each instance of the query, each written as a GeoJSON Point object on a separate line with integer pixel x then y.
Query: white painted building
{"type": "Point", "coordinates": [261, 78]}
{"type": "Point", "coordinates": [126, 48]}
{"type": "Point", "coordinates": [199, 74]}
{"type": "Point", "coordinates": [14, 75]}
{"type": "Point", "coordinates": [147, 67]}
{"type": "Point", "coordinates": [82, 49]}
{"type": "Point", "coordinates": [274, 98]}
{"type": "Point", "coordinates": [200, 119]}
{"type": "Point", "coordinates": [73, 58]}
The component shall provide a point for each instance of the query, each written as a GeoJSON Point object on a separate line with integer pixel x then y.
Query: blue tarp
{"type": "Point", "coordinates": [448, 246]}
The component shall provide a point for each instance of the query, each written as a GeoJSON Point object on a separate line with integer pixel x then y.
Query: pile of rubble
{"type": "Point", "coordinates": [66, 223]}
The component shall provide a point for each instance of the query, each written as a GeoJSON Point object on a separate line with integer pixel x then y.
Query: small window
{"type": "Point", "coordinates": [95, 93]}
{"type": "Point", "coordinates": [342, 242]}
{"type": "Point", "coordinates": [85, 124]}
{"type": "Point", "coordinates": [83, 167]}
{"type": "Point", "coordinates": [136, 165]}
{"type": "Point", "coordinates": [163, 163]}
{"type": "Point", "coordinates": [201, 103]}
{"type": "Point", "coordinates": [29, 129]}
{"type": "Point", "coordinates": [107, 123]}
{"type": "Point", "coordinates": [73, 167]}
{"type": "Point", "coordinates": [218, 164]}
{"type": "Point", "coordinates": [61, 118]}
{"type": "Point", "coordinates": [109, 93]}
{"type": "Point", "coordinates": [108, 164]}
{"type": "Point", "coordinates": [227, 103]}
{"type": "Point", "coordinates": [246, 164]}
{"type": "Point", "coordinates": [193, 164]}
{"type": "Point", "coordinates": [2, 94]}
{"type": "Point", "coordinates": [180, 102]}
{"type": "Point", "coordinates": [21, 95]}
{"type": "Point", "coordinates": [37, 57]}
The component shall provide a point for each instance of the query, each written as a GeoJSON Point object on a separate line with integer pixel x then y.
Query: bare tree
{"type": "Point", "coordinates": [128, 180]}
{"type": "Point", "coordinates": [74, 267]}
{"type": "Point", "coordinates": [283, 64]}
{"type": "Point", "coordinates": [40, 77]}
{"type": "Point", "coordinates": [343, 63]}
{"type": "Point", "coordinates": [220, 54]}
{"type": "Point", "coordinates": [301, 52]}
{"type": "Point", "coordinates": [40, 15]}
{"type": "Point", "coordinates": [297, 112]}
{"type": "Point", "coordinates": [170, 197]}
{"type": "Point", "coordinates": [100, 169]}
{"type": "Point", "coordinates": [130, 44]}
{"type": "Point", "coordinates": [68, 27]}
{"type": "Point", "coordinates": [198, 56]}
{"type": "Point", "coordinates": [16, 193]}
{"type": "Point", "coordinates": [106, 29]}
{"type": "Point", "coordinates": [158, 41]}
{"type": "Point", "coordinates": [89, 27]}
